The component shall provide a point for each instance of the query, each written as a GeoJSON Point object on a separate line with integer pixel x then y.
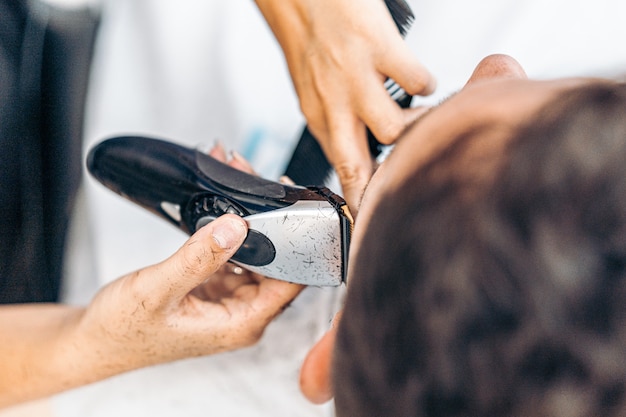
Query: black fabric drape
{"type": "Point", "coordinates": [44, 66]}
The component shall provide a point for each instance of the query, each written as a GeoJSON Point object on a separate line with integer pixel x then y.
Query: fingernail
{"type": "Point", "coordinates": [286, 180]}
{"type": "Point", "coordinates": [228, 232]}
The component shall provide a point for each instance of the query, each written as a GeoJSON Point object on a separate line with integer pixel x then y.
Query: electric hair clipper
{"type": "Point", "coordinates": [297, 234]}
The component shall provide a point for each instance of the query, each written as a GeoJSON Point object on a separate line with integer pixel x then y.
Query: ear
{"type": "Point", "coordinates": [315, 381]}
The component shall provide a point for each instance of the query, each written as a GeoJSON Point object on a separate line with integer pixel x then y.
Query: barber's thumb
{"type": "Point", "coordinates": [228, 232]}
{"type": "Point", "coordinates": [204, 253]}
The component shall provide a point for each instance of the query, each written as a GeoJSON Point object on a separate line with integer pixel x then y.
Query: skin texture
{"type": "Point", "coordinates": [191, 304]}
{"type": "Point", "coordinates": [496, 100]}
{"type": "Point", "coordinates": [338, 65]}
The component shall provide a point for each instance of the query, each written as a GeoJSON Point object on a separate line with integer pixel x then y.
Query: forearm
{"type": "Point", "coordinates": [338, 32]}
{"type": "Point", "coordinates": [277, 12]}
{"type": "Point", "coordinates": [162, 313]}
{"type": "Point", "coordinates": [39, 353]}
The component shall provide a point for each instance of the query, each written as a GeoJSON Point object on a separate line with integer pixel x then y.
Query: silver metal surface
{"type": "Point", "coordinates": [307, 238]}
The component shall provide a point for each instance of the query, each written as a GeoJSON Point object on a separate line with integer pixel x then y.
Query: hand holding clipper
{"type": "Point", "coordinates": [296, 234]}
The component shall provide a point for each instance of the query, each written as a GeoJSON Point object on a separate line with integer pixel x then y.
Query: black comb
{"type": "Point", "coordinates": [401, 14]}
{"type": "Point", "coordinates": [308, 163]}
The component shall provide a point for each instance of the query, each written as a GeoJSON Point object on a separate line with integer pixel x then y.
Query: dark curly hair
{"type": "Point", "coordinates": [498, 295]}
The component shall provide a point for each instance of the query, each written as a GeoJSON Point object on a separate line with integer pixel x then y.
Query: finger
{"type": "Point", "coordinates": [203, 254]}
{"type": "Point", "coordinates": [253, 306]}
{"type": "Point", "coordinates": [414, 113]}
{"type": "Point", "coordinates": [348, 153]}
{"type": "Point", "coordinates": [404, 68]}
{"type": "Point", "coordinates": [380, 113]}
{"type": "Point", "coordinates": [222, 284]}
{"type": "Point", "coordinates": [272, 298]}
{"type": "Point", "coordinates": [239, 162]}
{"type": "Point", "coordinates": [218, 152]}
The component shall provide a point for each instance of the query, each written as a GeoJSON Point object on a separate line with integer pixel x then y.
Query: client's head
{"type": "Point", "coordinates": [487, 276]}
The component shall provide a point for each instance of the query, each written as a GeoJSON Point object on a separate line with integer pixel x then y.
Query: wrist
{"type": "Point", "coordinates": [86, 352]}
{"type": "Point", "coordinates": [286, 19]}
{"type": "Point", "coordinates": [33, 355]}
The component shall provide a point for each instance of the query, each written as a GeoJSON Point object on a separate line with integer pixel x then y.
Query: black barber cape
{"type": "Point", "coordinates": [44, 60]}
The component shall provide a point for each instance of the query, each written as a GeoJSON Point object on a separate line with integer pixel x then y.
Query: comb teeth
{"type": "Point", "coordinates": [402, 15]}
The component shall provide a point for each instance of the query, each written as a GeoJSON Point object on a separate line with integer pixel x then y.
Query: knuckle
{"type": "Point", "coordinates": [197, 257]}
{"type": "Point", "coordinates": [351, 175]}
{"type": "Point", "coordinates": [133, 288]}
{"type": "Point", "coordinates": [190, 263]}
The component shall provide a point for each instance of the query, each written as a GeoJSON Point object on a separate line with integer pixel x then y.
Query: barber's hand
{"type": "Point", "coordinates": [195, 303]}
{"type": "Point", "coordinates": [339, 53]}
{"type": "Point", "coordinates": [191, 304]}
